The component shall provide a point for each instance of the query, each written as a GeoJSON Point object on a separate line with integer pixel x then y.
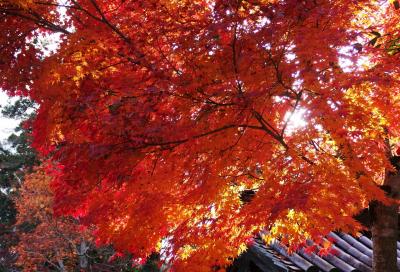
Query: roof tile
{"type": "Point", "coordinates": [351, 254]}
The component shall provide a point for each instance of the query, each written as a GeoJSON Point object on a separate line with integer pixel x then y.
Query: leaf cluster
{"type": "Point", "coordinates": [157, 115]}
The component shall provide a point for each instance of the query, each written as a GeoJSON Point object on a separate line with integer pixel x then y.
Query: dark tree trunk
{"type": "Point", "coordinates": [384, 237]}
{"type": "Point", "coordinates": [385, 222]}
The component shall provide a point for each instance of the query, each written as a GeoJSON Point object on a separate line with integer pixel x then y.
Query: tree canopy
{"type": "Point", "coordinates": [16, 159]}
{"type": "Point", "coordinates": [158, 114]}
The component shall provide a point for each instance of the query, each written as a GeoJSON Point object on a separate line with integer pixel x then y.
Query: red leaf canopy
{"type": "Point", "coordinates": [159, 113]}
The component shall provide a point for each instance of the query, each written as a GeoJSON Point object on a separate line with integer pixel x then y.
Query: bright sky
{"type": "Point", "coordinates": [7, 125]}
{"type": "Point", "coordinates": [48, 44]}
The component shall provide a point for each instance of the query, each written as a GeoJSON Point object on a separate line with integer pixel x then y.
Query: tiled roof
{"type": "Point", "coordinates": [350, 255]}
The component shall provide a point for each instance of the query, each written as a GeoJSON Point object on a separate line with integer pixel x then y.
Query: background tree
{"type": "Point", "coordinates": [16, 158]}
{"type": "Point", "coordinates": [49, 243]}
{"type": "Point", "coordinates": [157, 114]}
{"type": "Point", "coordinates": [40, 241]}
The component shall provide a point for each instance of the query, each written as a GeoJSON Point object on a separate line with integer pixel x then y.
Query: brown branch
{"type": "Point", "coordinates": [111, 26]}
{"type": "Point", "coordinates": [268, 127]}
{"type": "Point", "coordinates": [173, 144]}
{"type": "Point", "coordinates": [298, 99]}
{"type": "Point", "coordinates": [38, 20]}
{"type": "Point", "coordinates": [274, 134]}
{"type": "Point", "coordinates": [234, 60]}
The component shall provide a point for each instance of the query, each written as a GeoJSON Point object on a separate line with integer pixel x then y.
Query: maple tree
{"type": "Point", "coordinates": [158, 114]}
{"type": "Point", "coordinates": [40, 241]}
{"type": "Point", "coordinates": [49, 243]}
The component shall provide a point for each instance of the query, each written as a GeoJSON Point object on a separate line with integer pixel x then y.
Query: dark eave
{"type": "Point", "coordinates": [351, 254]}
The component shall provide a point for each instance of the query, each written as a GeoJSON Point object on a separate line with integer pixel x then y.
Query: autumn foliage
{"type": "Point", "coordinates": [46, 242]}
{"type": "Point", "coordinates": [58, 243]}
{"type": "Point", "coordinates": [158, 114]}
